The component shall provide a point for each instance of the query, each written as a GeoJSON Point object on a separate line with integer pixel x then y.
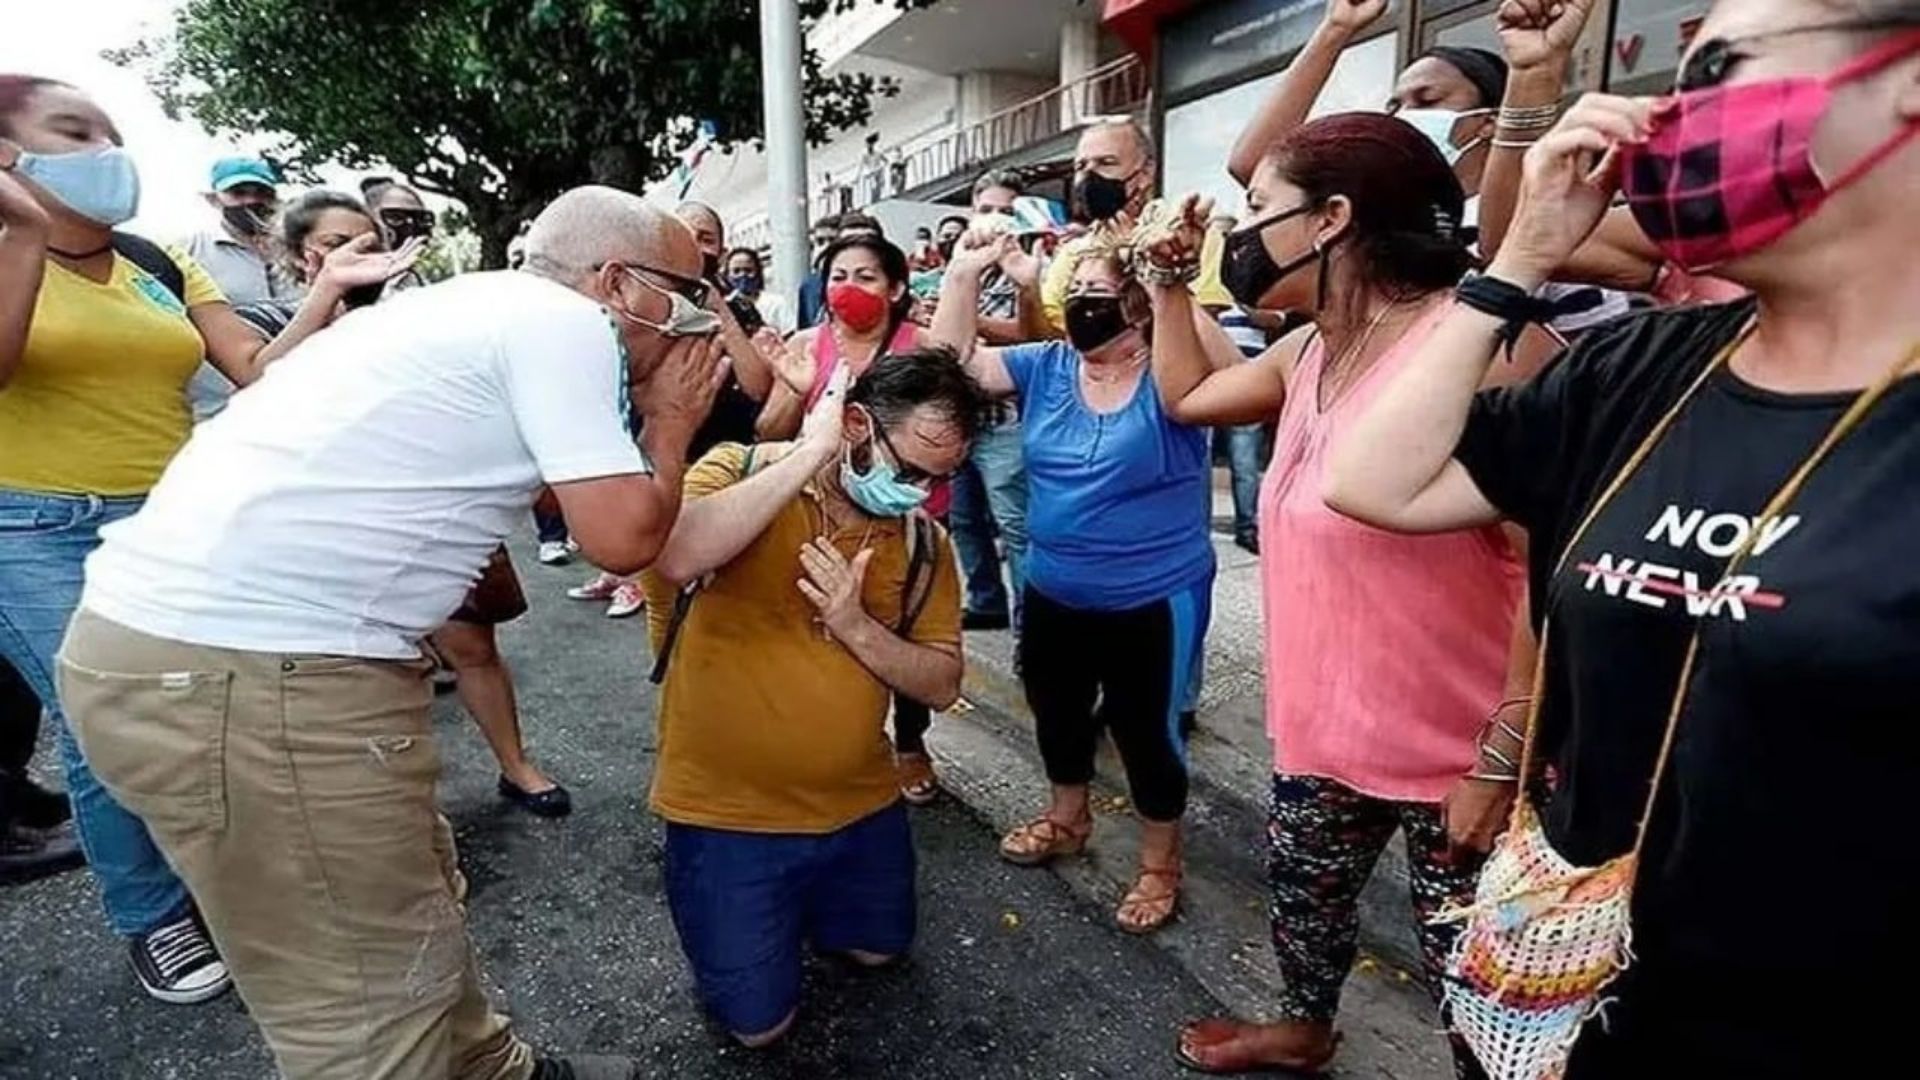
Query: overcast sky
{"type": "Point", "coordinates": [62, 39]}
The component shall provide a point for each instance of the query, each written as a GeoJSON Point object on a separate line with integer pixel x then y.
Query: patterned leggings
{"type": "Point", "coordinates": [1323, 840]}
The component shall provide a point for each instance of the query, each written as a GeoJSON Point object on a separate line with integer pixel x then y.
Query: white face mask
{"type": "Point", "coordinates": [1438, 126]}
{"type": "Point", "coordinates": [684, 317]}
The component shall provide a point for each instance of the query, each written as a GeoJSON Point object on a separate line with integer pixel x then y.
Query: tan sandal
{"type": "Point", "coordinates": [1152, 908]}
{"type": "Point", "coordinates": [1043, 840]}
{"type": "Point", "coordinates": [918, 784]}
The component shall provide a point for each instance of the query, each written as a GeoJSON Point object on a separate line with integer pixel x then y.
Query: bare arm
{"type": "Point", "coordinates": [235, 347]}
{"type": "Point", "coordinates": [752, 370]}
{"type": "Point", "coordinates": [956, 321]}
{"type": "Point", "coordinates": [929, 674]}
{"type": "Point", "coordinates": [715, 528]}
{"type": "Point", "coordinates": [1193, 388]}
{"type": "Point", "coordinates": [1539, 39]}
{"type": "Point", "coordinates": [1001, 331]}
{"type": "Point", "coordinates": [622, 522]}
{"type": "Point", "coordinates": [1287, 107]}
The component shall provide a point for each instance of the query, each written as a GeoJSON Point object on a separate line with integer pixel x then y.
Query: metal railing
{"type": "Point", "coordinates": [1118, 86]}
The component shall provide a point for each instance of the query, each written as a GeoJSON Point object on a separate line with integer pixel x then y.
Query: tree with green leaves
{"type": "Point", "coordinates": [500, 104]}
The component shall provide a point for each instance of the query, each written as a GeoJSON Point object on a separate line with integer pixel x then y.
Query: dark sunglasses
{"type": "Point", "coordinates": [905, 471]}
{"type": "Point", "coordinates": [415, 220]}
{"type": "Point", "coordinates": [695, 290]}
{"type": "Point", "coordinates": [1712, 63]}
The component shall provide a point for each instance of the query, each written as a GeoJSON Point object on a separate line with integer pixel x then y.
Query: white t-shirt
{"type": "Point", "coordinates": [344, 503]}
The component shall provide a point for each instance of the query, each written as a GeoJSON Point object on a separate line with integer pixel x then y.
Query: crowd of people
{"type": "Point", "coordinates": [1567, 411]}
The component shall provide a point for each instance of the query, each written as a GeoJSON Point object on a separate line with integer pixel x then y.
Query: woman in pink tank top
{"type": "Point", "coordinates": [1386, 654]}
{"type": "Point", "coordinates": [867, 306]}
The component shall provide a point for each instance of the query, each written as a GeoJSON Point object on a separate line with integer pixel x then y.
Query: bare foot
{"type": "Point", "coordinates": [1229, 1046]}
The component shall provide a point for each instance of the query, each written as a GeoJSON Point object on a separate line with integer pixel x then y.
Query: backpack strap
{"type": "Point", "coordinates": [154, 259]}
{"type": "Point", "coordinates": [683, 603]}
{"type": "Point", "coordinates": [922, 540]}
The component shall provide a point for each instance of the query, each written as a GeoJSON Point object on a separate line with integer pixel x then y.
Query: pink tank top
{"type": "Point", "coordinates": [826, 355]}
{"type": "Point", "coordinates": [1385, 653]}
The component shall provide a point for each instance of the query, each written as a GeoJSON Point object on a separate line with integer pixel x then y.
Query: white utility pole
{"type": "Point", "coordinates": [786, 129]}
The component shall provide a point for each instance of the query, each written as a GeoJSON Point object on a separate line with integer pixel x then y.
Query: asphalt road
{"type": "Point", "coordinates": [1012, 975]}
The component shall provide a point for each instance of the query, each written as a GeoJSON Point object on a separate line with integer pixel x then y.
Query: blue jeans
{"type": "Point", "coordinates": [1247, 453]}
{"type": "Point", "coordinates": [44, 542]}
{"type": "Point", "coordinates": [745, 904]}
{"type": "Point", "coordinates": [552, 528]}
{"type": "Point", "coordinates": [989, 495]}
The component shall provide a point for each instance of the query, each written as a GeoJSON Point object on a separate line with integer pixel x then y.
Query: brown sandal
{"type": "Point", "coordinates": [1160, 905]}
{"type": "Point", "coordinates": [1043, 840]}
{"type": "Point", "coordinates": [918, 784]}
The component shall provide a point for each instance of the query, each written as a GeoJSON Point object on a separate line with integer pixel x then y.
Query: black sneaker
{"type": "Point", "coordinates": [176, 963]}
{"type": "Point", "coordinates": [27, 853]}
{"type": "Point", "coordinates": [586, 1067]}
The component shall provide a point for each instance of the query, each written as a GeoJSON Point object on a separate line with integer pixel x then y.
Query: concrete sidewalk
{"type": "Point", "coordinates": [987, 758]}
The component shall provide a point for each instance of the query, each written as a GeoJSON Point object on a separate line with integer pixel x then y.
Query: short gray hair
{"type": "Point", "coordinates": [1134, 127]}
{"type": "Point", "coordinates": [999, 178]}
{"type": "Point", "coordinates": [592, 225]}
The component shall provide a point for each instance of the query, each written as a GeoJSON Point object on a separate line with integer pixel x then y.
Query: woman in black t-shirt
{"type": "Point", "coordinates": [1775, 880]}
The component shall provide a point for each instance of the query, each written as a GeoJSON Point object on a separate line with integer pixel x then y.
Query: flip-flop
{"type": "Point", "coordinates": [1192, 1064]}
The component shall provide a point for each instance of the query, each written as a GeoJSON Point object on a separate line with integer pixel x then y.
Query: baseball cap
{"type": "Point", "coordinates": [233, 171]}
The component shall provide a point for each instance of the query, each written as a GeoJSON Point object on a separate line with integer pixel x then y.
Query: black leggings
{"type": "Point", "coordinates": [1125, 671]}
{"type": "Point", "coordinates": [911, 720]}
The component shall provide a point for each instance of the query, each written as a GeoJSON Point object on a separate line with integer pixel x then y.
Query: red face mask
{"type": "Point", "coordinates": [855, 307]}
{"type": "Point", "coordinates": [1728, 170]}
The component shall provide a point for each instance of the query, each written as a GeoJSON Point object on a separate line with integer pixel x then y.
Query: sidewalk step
{"type": "Point", "coordinates": [986, 757]}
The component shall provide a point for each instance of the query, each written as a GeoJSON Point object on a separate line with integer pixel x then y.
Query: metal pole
{"type": "Point", "coordinates": [786, 142]}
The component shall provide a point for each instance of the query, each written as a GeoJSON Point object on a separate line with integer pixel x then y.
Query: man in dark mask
{"type": "Point", "coordinates": [1113, 175]}
{"type": "Point", "coordinates": [238, 254]}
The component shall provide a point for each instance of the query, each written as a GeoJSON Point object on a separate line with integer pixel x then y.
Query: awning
{"type": "Point", "coordinates": [1135, 20]}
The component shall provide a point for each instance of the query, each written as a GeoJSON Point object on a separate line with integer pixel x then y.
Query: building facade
{"type": "Point", "coordinates": [1008, 84]}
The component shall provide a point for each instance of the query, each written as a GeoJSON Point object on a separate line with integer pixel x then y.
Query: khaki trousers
{"type": "Point", "coordinates": [295, 795]}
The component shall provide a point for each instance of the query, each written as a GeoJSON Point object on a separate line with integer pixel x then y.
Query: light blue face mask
{"type": "Point", "coordinates": [879, 491]}
{"type": "Point", "coordinates": [101, 185]}
{"type": "Point", "coordinates": [1438, 124]}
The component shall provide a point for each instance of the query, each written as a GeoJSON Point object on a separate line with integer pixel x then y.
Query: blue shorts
{"type": "Point", "coordinates": [745, 903]}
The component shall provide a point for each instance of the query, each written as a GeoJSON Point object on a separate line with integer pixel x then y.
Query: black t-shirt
{"type": "Point", "coordinates": [1778, 878]}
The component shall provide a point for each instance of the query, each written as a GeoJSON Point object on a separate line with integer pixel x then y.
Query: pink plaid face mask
{"type": "Point", "coordinates": [1728, 170]}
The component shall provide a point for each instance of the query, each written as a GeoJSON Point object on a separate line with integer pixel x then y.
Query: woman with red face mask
{"type": "Point", "coordinates": [1722, 508]}
{"type": "Point", "coordinates": [867, 308]}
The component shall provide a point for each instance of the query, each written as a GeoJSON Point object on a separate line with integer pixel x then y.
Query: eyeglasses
{"type": "Point", "coordinates": [903, 470]}
{"type": "Point", "coordinates": [693, 289]}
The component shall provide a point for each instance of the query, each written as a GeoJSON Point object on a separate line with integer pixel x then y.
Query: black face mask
{"type": "Point", "coordinates": [709, 267]}
{"type": "Point", "coordinates": [247, 220]}
{"type": "Point", "coordinates": [1246, 269]}
{"type": "Point", "coordinates": [1093, 321]}
{"type": "Point", "coordinates": [1098, 198]}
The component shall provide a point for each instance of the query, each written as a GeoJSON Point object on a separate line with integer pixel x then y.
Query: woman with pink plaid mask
{"type": "Point", "coordinates": [1722, 501]}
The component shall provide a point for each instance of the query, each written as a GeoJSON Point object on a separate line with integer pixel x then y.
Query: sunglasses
{"type": "Point", "coordinates": [693, 289]}
{"type": "Point", "coordinates": [905, 471]}
{"type": "Point", "coordinates": [1713, 62]}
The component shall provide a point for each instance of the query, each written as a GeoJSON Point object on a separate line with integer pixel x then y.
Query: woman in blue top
{"type": "Point", "coordinates": [1120, 569]}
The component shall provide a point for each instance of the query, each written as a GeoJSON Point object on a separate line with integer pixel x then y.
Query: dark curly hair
{"type": "Point", "coordinates": [899, 383]}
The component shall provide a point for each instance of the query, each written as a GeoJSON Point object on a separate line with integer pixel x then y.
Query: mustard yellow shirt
{"type": "Point", "coordinates": [766, 725]}
{"type": "Point", "coordinates": [98, 404]}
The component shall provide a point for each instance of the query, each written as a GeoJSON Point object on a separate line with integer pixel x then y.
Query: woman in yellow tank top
{"type": "Point", "coordinates": [99, 333]}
